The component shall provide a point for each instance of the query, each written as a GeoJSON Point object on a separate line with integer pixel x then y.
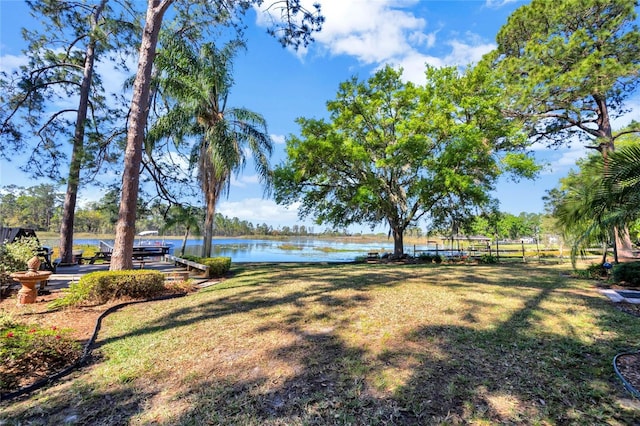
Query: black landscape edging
{"type": "Point", "coordinates": [628, 386]}
{"type": "Point", "coordinates": [85, 354]}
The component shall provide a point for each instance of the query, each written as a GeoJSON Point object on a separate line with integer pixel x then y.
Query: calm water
{"type": "Point", "coordinates": [257, 250]}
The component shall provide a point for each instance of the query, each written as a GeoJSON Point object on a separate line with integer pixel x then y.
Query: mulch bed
{"type": "Point", "coordinates": [629, 367]}
{"type": "Point", "coordinates": [79, 321]}
{"type": "Point", "coordinates": [629, 364]}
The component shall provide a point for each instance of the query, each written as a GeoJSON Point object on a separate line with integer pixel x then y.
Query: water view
{"type": "Point", "coordinates": [261, 250]}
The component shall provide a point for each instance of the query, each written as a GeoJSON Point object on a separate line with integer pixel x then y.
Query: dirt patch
{"type": "Point", "coordinates": [78, 322]}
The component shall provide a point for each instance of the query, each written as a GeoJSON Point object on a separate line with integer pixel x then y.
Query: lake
{"type": "Point", "coordinates": [260, 250]}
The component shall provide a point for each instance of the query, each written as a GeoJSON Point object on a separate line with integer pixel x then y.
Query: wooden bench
{"type": "Point", "coordinates": [373, 255]}
{"type": "Point", "coordinates": [188, 263]}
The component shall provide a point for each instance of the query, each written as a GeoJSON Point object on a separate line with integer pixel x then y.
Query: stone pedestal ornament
{"type": "Point", "coordinates": [28, 280]}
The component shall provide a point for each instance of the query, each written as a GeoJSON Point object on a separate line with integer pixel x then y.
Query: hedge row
{"type": "Point", "coordinates": [218, 266]}
{"type": "Point", "coordinates": [103, 286]}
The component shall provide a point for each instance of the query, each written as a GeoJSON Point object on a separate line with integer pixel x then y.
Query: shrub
{"type": "Point", "coordinates": [437, 258]}
{"type": "Point", "coordinates": [593, 271]}
{"type": "Point", "coordinates": [425, 257]}
{"type": "Point", "coordinates": [14, 256]}
{"type": "Point", "coordinates": [218, 266]}
{"type": "Point", "coordinates": [628, 272]}
{"type": "Point", "coordinates": [28, 350]}
{"type": "Point", "coordinates": [191, 257]}
{"type": "Point", "coordinates": [488, 259]}
{"type": "Point", "coordinates": [103, 286]}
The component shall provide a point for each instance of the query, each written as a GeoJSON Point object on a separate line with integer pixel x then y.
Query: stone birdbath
{"type": "Point", "coordinates": [28, 280]}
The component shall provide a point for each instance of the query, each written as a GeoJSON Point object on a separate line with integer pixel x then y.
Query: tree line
{"type": "Point", "coordinates": [40, 207]}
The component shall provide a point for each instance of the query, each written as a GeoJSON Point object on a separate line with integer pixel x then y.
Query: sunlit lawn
{"type": "Point", "coordinates": [357, 344]}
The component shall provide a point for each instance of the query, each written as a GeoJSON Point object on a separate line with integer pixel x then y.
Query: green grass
{"type": "Point", "coordinates": [357, 344]}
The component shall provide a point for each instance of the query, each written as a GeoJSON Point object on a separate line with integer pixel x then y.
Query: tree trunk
{"type": "Point", "coordinates": [398, 241]}
{"type": "Point", "coordinates": [622, 240]}
{"type": "Point", "coordinates": [125, 227]}
{"type": "Point", "coordinates": [70, 199]}
{"type": "Point", "coordinates": [184, 241]}
{"type": "Point", "coordinates": [208, 228]}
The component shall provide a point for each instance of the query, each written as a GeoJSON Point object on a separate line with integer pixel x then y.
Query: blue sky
{"type": "Point", "coordinates": [359, 36]}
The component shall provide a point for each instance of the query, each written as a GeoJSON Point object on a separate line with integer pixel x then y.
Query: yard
{"type": "Point", "coordinates": [359, 344]}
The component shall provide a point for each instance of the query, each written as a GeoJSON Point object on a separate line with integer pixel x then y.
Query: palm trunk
{"type": "Point", "coordinates": [622, 240]}
{"type": "Point", "coordinates": [68, 210]}
{"type": "Point", "coordinates": [125, 228]}
{"type": "Point", "coordinates": [208, 228]}
{"type": "Point", "coordinates": [184, 241]}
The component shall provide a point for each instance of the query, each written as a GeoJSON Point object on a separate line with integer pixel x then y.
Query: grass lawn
{"type": "Point", "coordinates": [356, 344]}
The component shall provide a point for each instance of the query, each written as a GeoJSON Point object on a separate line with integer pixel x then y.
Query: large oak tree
{"type": "Point", "coordinates": [395, 152]}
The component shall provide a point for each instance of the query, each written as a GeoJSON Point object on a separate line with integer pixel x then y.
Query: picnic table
{"type": "Point", "coordinates": [140, 253]}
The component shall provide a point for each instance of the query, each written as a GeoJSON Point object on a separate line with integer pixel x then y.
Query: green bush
{"type": "Point", "coordinates": [488, 259]}
{"type": "Point", "coordinates": [425, 257]}
{"type": "Point", "coordinates": [191, 257]}
{"type": "Point", "coordinates": [593, 271]}
{"type": "Point", "coordinates": [14, 256]}
{"type": "Point", "coordinates": [628, 272]}
{"type": "Point", "coordinates": [218, 266]}
{"type": "Point", "coordinates": [103, 286]}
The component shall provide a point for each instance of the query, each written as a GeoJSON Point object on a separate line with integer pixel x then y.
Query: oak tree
{"type": "Point", "coordinates": [395, 152]}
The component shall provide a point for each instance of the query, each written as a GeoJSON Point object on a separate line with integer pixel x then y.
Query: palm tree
{"type": "Point", "coordinates": [199, 84]}
{"type": "Point", "coordinates": [186, 216]}
{"type": "Point", "coordinates": [591, 208]}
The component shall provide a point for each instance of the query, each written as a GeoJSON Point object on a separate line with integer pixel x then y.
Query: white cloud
{"type": "Point", "coordinates": [10, 63]}
{"type": "Point", "coordinates": [278, 139]}
{"type": "Point", "coordinates": [257, 211]}
{"type": "Point", "coordinates": [498, 3]}
{"type": "Point", "coordinates": [567, 158]}
{"type": "Point", "coordinates": [633, 106]}
{"type": "Point", "coordinates": [387, 32]}
{"type": "Point", "coordinates": [243, 181]}
{"type": "Point", "coordinates": [362, 30]}
{"type": "Point", "coordinates": [467, 53]}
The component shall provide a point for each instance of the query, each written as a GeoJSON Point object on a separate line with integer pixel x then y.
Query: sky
{"type": "Point", "coordinates": [358, 37]}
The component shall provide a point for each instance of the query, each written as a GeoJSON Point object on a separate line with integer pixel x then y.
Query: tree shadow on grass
{"type": "Point", "coordinates": [512, 373]}
{"type": "Point", "coordinates": [251, 298]}
{"type": "Point", "coordinates": [70, 403]}
{"type": "Point", "coordinates": [456, 374]}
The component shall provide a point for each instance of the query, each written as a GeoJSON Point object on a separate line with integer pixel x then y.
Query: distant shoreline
{"type": "Point", "coordinates": [364, 238]}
